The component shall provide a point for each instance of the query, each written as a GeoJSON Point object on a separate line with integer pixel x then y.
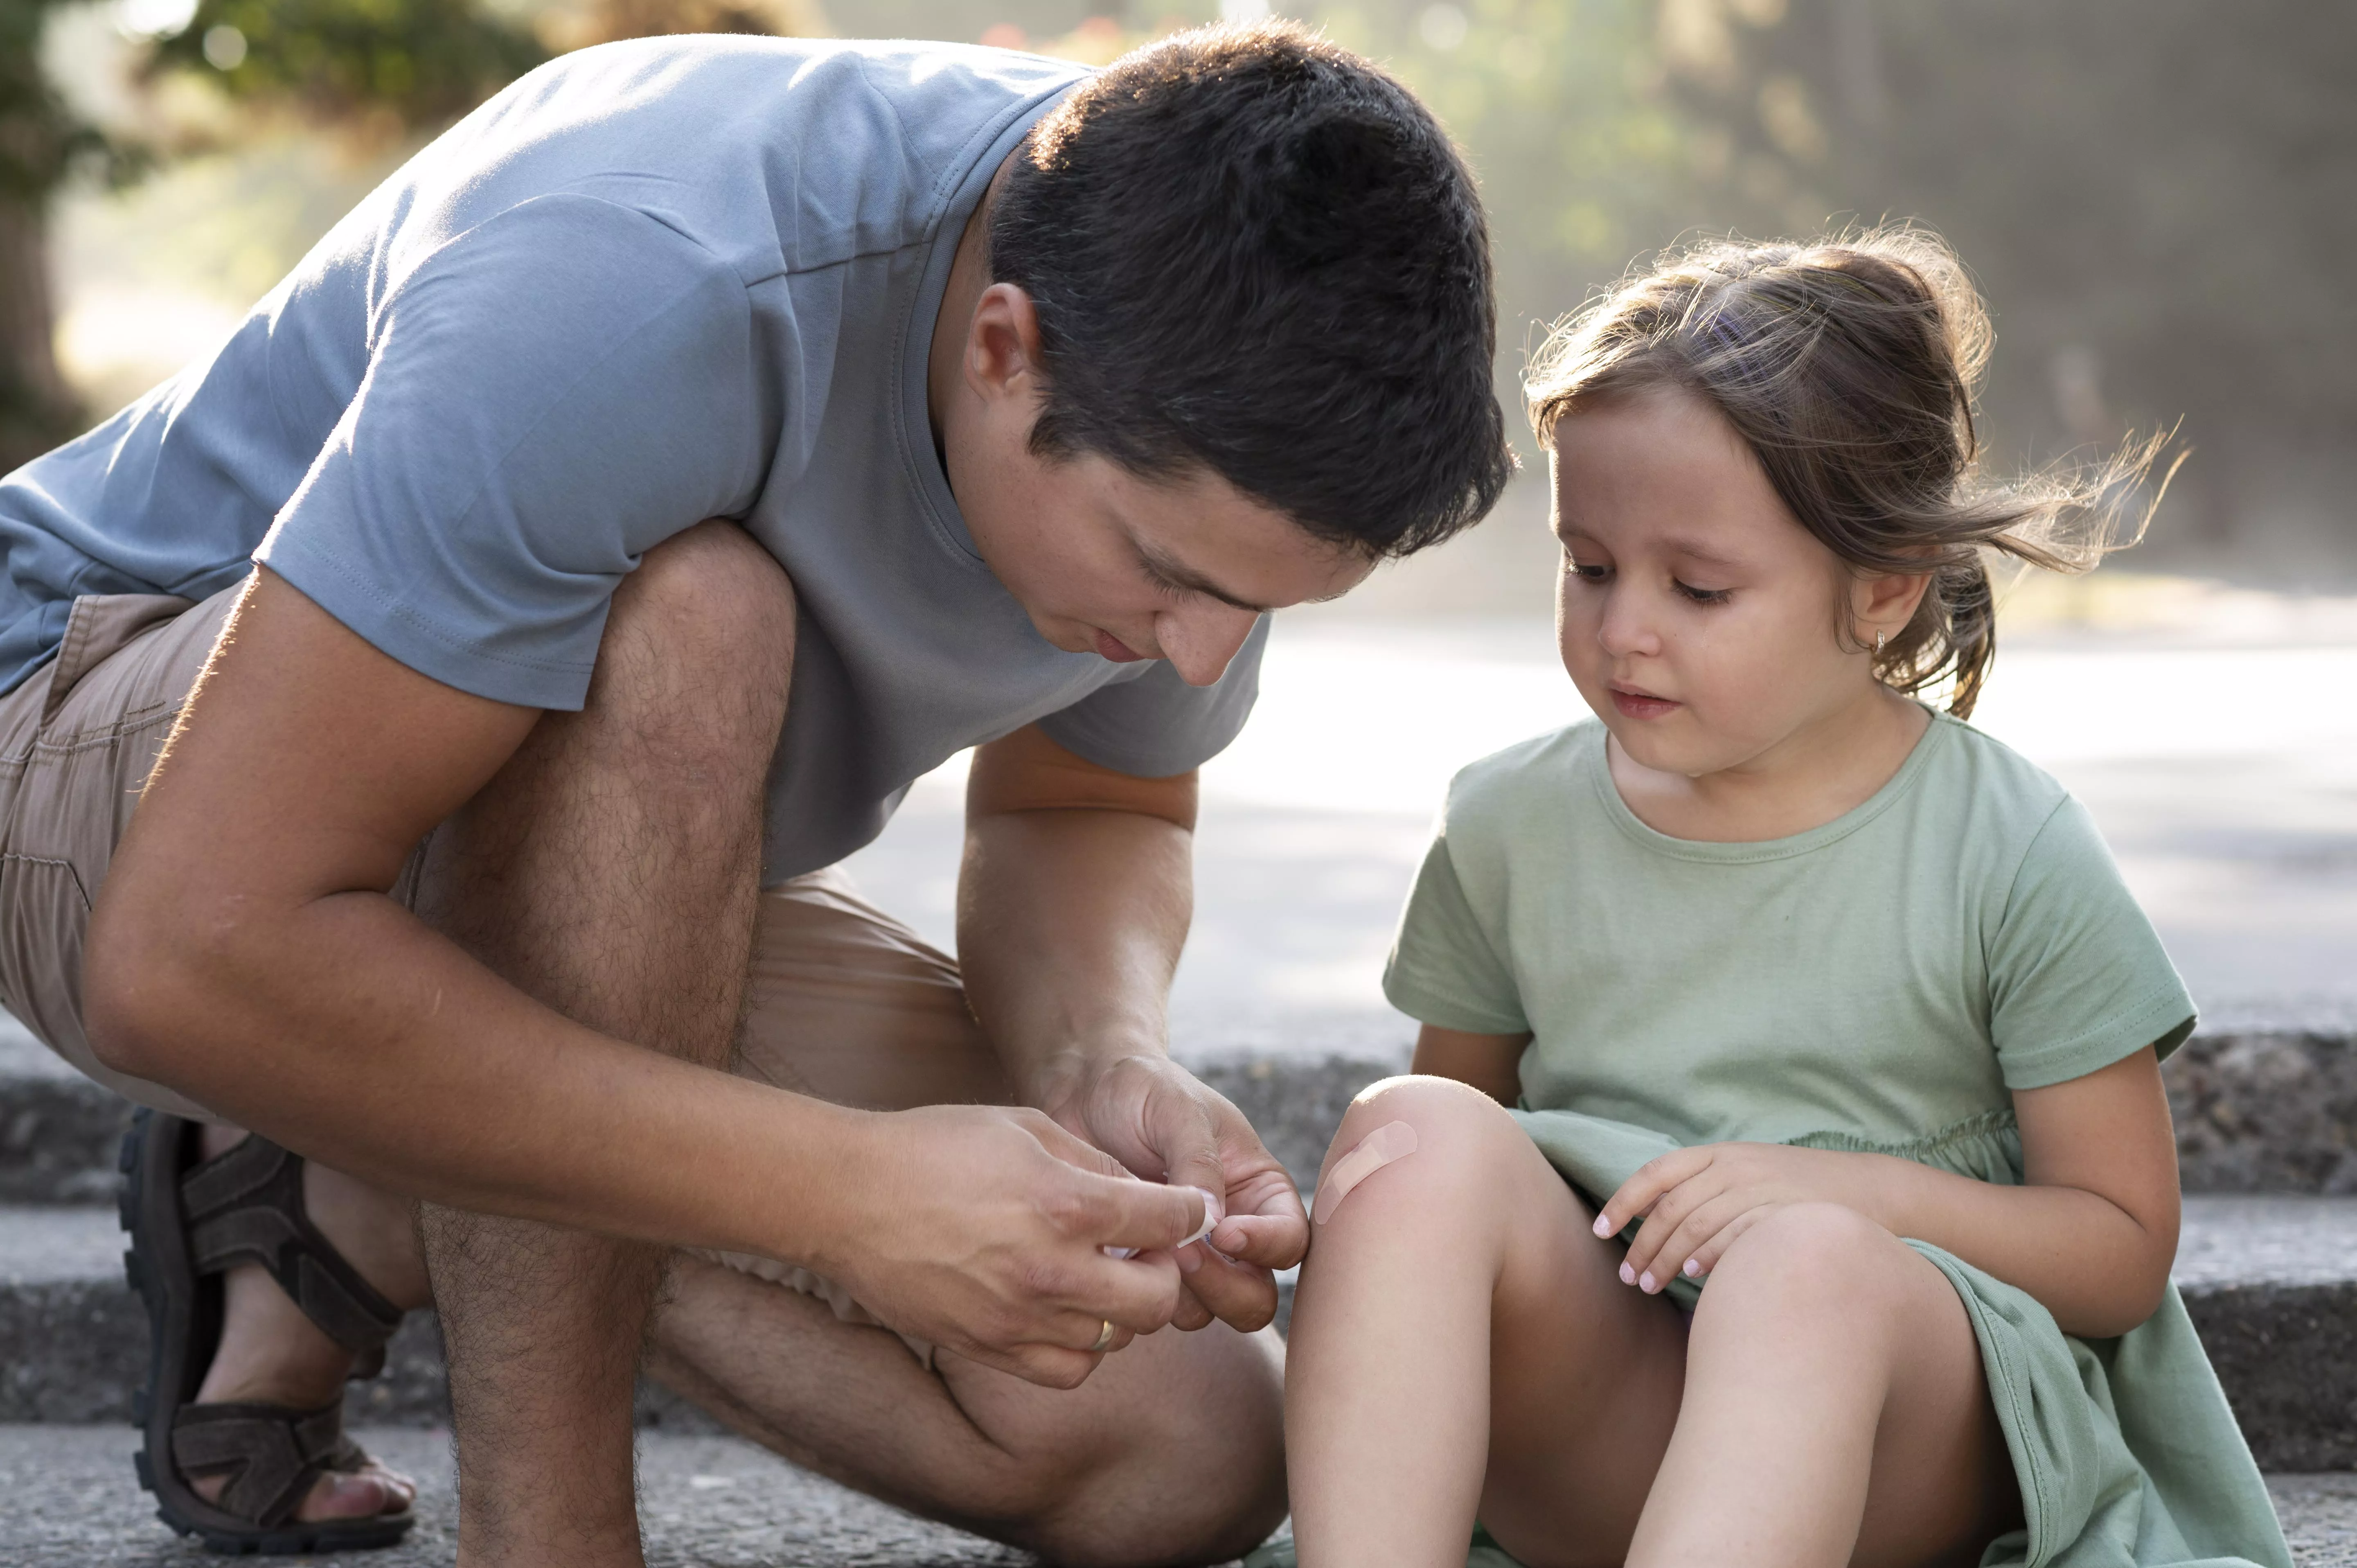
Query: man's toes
{"type": "Point", "coordinates": [352, 1496]}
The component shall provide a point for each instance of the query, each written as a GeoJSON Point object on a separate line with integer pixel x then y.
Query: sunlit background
{"type": "Point", "coordinates": [2156, 196]}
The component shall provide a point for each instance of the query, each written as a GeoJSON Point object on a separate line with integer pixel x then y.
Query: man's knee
{"type": "Point", "coordinates": [1196, 1474]}
{"type": "Point", "coordinates": [699, 649]}
{"type": "Point", "coordinates": [711, 597]}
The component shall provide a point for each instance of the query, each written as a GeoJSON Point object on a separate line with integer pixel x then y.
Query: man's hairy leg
{"type": "Point", "coordinates": [609, 870]}
{"type": "Point", "coordinates": [1171, 1453]}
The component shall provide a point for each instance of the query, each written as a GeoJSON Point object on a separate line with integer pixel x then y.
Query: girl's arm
{"type": "Point", "coordinates": [2091, 1235]}
{"type": "Point", "coordinates": [1490, 1063]}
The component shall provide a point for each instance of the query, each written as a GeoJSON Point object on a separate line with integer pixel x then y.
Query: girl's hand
{"type": "Point", "coordinates": [1695, 1202]}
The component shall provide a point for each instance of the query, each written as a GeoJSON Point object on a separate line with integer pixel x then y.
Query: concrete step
{"type": "Point", "coordinates": [2272, 1111]}
{"type": "Point", "coordinates": [2271, 1282]}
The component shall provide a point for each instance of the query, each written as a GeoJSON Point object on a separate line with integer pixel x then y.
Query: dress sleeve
{"type": "Point", "coordinates": [1153, 724]}
{"type": "Point", "coordinates": [1445, 969]}
{"type": "Point", "coordinates": [2077, 976]}
{"type": "Point", "coordinates": [549, 395]}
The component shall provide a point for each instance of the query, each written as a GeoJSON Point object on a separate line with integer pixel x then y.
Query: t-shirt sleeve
{"type": "Point", "coordinates": [1153, 724]}
{"type": "Point", "coordinates": [549, 395]}
{"type": "Point", "coordinates": [1445, 969]}
{"type": "Point", "coordinates": [2078, 978]}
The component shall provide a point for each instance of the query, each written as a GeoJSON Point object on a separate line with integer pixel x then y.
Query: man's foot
{"type": "Point", "coordinates": [244, 1443]}
{"type": "Point", "coordinates": [271, 1354]}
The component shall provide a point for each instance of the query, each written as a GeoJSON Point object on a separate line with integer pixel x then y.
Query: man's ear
{"type": "Point", "coordinates": [1002, 344]}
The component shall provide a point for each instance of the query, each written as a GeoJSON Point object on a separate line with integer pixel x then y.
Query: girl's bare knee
{"type": "Point", "coordinates": [1454, 1136]}
{"type": "Point", "coordinates": [1823, 1259]}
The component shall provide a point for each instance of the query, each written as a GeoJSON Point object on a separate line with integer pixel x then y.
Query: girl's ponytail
{"type": "Point", "coordinates": [1849, 366]}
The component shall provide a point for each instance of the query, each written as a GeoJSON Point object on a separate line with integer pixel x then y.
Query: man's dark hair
{"type": "Point", "coordinates": [1255, 252]}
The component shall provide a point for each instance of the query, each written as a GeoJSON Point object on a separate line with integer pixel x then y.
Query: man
{"type": "Point", "coordinates": [576, 556]}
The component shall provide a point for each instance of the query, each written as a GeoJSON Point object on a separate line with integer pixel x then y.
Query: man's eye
{"type": "Point", "coordinates": [1703, 596]}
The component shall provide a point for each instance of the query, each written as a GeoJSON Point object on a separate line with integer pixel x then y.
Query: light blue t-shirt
{"type": "Point", "coordinates": [649, 284]}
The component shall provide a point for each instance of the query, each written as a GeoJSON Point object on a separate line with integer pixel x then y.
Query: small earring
{"type": "Point", "coordinates": [1878, 643]}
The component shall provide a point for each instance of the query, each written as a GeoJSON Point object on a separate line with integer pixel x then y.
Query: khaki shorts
{"type": "Point", "coordinates": [841, 1001]}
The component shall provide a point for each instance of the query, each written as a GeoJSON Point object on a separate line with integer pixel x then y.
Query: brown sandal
{"type": "Point", "coordinates": [190, 1223]}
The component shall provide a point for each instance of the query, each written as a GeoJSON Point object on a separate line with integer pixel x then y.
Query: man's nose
{"type": "Point", "coordinates": [1201, 640]}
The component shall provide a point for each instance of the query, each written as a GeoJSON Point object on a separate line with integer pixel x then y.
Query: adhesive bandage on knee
{"type": "Point", "coordinates": [1392, 1140]}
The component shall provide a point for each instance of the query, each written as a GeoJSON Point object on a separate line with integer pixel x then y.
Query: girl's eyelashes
{"type": "Point", "coordinates": [1592, 572]}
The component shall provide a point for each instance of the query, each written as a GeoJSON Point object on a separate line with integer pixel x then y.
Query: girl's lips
{"type": "Point", "coordinates": [1638, 705]}
{"type": "Point", "coordinates": [1113, 648]}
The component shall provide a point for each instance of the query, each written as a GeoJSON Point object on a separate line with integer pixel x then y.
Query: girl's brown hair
{"type": "Point", "coordinates": [1849, 365]}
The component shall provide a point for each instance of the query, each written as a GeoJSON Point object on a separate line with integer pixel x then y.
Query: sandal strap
{"type": "Point", "coordinates": [246, 1207]}
{"type": "Point", "coordinates": [273, 1452]}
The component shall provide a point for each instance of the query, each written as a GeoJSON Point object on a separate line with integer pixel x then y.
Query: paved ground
{"type": "Point", "coordinates": [710, 1502]}
{"type": "Point", "coordinates": [2217, 747]}
{"type": "Point", "coordinates": [713, 1502]}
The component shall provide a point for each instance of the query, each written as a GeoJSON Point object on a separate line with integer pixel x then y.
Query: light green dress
{"type": "Point", "coordinates": [1879, 984]}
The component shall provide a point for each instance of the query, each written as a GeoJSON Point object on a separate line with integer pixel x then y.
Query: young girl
{"type": "Point", "coordinates": [1801, 991]}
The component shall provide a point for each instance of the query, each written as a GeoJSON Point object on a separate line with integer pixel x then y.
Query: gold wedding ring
{"type": "Point", "coordinates": [1105, 1337]}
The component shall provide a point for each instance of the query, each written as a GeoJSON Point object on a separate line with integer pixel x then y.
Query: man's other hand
{"type": "Point", "coordinates": [984, 1229]}
{"type": "Point", "coordinates": [1166, 1124]}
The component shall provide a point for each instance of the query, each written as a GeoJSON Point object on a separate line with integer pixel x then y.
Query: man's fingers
{"type": "Point", "coordinates": [1180, 1130]}
{"type": "Point", "coordinates": [1142, 1216]}
{"type": "Point", "coordinates": [1192, 1313]}
{"type": "Point", "coordinates": [1275, 1235]}
{"type": "Point", "coordinates": [1240, 1295]}
{"type": "Point", "coordinates": [1072, 1149]}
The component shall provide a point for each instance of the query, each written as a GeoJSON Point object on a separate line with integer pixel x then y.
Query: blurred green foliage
{"type": "Point", "coordinates": [2154, 193]}
{"type": "Point", "coordinates": [419, 62]}
{"type": "Point", "coordinates": [43, 142]}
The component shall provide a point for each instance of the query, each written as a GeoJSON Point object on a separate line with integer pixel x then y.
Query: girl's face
{"type": "Point", "coordinates": [1695, 615]}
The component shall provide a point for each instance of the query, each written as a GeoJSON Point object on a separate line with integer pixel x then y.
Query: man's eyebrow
{"type": "Point", "coordinates": [1179, 575]}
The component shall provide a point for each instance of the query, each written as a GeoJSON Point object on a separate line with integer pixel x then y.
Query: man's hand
{"type": "Point", "coordinates": [1695, 1202]}
{"type": "Point", "coordinates": [1166, 1124]}
{"type": "Point", "coordinates": [984, 1229]}
{"type": "Point", "coordinates": [1072, 906]}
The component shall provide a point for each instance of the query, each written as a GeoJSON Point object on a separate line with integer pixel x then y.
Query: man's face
{"type": "Point", "coordinates": [1103, 561]}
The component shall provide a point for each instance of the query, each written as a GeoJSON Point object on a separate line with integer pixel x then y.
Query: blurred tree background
{"type": "Point", "coordinates": [2155, 194]}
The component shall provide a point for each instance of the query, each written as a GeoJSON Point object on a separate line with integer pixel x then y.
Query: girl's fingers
{"type": "Point", "coordinates": [1668, 1212]}
{"type": "Point", "coordinates": [1641, 1192]}
{"type": "Point", "coordinates": [1671, 1253]}
{"type": "Point", "coordinates": [1706, 1256]}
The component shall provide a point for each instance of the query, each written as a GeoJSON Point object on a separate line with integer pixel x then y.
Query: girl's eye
{"type": "Point", "coordinates": [1587, 573]}
{"type": "Point", "coordinates": [1703, 596]}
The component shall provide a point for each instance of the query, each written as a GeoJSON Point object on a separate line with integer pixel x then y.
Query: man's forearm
{"type": "Point", "coordinates": [444, 1082]}
{"type": "Point", "coordinates": [1069, 926]}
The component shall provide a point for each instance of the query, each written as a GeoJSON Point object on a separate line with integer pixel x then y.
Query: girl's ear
{"type": "Point", "coordinates": [1884, 604]}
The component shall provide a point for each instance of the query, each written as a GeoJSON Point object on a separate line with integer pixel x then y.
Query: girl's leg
{"type": "Point", "coordinates": [1455, 1307]}
{"type": "Point", "coordinates": [1834, 1411]}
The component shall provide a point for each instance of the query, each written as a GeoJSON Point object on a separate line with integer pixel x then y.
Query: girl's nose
{"type": "Point", "coordinates": [1627, 625]}
{"type": "Point", "coordinates": [1200, 640]}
